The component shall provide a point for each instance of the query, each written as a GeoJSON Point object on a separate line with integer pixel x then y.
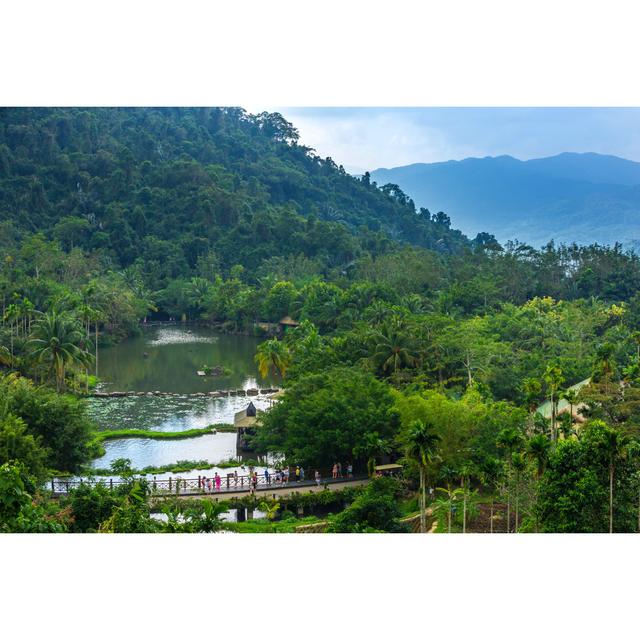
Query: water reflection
{"type": "Point", "coordinates": [166, 358]}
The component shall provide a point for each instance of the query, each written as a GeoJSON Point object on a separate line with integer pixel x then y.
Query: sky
{"type": "Point", "coordinates": [367, 138]}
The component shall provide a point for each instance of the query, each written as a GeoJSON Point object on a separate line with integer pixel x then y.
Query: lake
{"type": "Point", "coordinates": [166, 358]}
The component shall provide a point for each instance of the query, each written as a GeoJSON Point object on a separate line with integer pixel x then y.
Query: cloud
{"type": "Point", "coordinates": [368, 138]}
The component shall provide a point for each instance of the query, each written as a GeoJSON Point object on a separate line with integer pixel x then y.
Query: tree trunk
{"type": "Point", "coordinates": [96, 348]}
{"type": "Point", "coordinates": [611, 498]}
{"type": "Point", "coordinates": [464, 510]}
{"type": "Point", "coordinates": [491, 518]}
{"type": "Point", "coordinates": [423, 505]}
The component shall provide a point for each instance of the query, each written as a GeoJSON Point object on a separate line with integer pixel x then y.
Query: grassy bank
{"type": "Point", "coordinates": [114, 434]}
{"type": "Point", "coordinates": [181, 466]}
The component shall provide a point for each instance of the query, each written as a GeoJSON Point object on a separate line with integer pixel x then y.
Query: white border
{"type": "Point", "coordinates": [334, 53]}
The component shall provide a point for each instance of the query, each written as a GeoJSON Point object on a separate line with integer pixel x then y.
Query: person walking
{"type": "Point", "coordinates": [209, 485]}
{"type": "Point", "coordinates": [297, 473]}
{"type": "Point", "coordinates": [235, 477]}
{"type": "Point", "coordinates": [218, 481]}
{"type": "Point", "coordinates": [350, 470]}
{"type": "Point", "coordinates": [318, 477]}
{"type": "Point", "coordinates": [255, 481]}
{"type": "Point", "coordinates": [286, 475]}
{"type": "Point", "coordinates": [301, 474]}
{"type": "Point", "coordinates": [267, 478]}
{"type": "Point", "coordinates": [339, 470]}
{"type": "Point", "coordinates": [334, 471]}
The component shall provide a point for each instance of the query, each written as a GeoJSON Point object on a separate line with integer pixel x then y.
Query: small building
{"type": "Point", "coordinates": [563, 406]}
{"type": "Point", "coordinates": [388, 469]}
{"type": "Point", "coordinates": [246, 422]}
{"type": "Point", "coordinates": [288, 323]}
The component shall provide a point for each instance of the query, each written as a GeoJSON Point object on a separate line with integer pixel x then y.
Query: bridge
{"type": "Point", "coordinates": [230, 487]}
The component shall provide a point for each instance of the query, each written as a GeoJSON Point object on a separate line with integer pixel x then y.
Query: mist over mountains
{"type": "Point", "coordinates": [571, 197]}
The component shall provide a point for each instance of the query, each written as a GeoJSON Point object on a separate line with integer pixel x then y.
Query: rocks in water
{"type": "Point", "coordinates": [220, 393]}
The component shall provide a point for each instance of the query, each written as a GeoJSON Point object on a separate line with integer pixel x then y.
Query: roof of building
{"type": "Point", "coordinates": [387, 467]}
{"type": "Point", "coordinates": [289, 321]}
{"type": "Point", "coordinates": [249, 417]}
{"type": "Point", "coordinates": [563, 405]}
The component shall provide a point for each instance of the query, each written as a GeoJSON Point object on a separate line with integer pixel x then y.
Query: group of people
{"type": "Point", "coordinates": [338, 472]}
{"type": "Point", "coordinates": [210, 484]}
{"type": "Point", "coordinates": [279, 477]}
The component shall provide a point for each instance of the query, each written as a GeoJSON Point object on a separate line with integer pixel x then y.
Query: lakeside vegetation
{"type": "Point", "coordinates": [414, 342]}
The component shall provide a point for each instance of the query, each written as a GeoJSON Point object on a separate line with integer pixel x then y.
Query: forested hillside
{"type": "Point", "coordinates": [166, 188]}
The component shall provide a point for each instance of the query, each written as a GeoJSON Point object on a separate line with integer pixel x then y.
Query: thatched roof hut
{"type": "Point", "coordinates": [247, 418]}
{"type": "Point", "coordinates": [288, 321]}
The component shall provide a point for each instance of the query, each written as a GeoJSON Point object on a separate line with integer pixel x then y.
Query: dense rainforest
{"type": "Point", "coordinates": [414, 341]}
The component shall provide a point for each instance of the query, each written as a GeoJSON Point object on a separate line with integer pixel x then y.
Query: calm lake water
{"type": "Point", "coordinates": [173, 355]}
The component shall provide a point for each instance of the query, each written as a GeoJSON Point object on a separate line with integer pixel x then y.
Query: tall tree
{"type": "Point", "coordinates": [273, 354]}
{"type": "Point", "coordinates": [421, 446]}
{"type": "Point", "coordinates": [56, 342]}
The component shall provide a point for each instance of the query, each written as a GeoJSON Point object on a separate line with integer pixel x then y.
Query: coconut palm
{"type": "Point", "coordinates": [421, 445]}
{"type": "Point", "coordinates": [56, 341]}
{"type": "Point", "coordinates": [273, 354]}
{"type": "Point", "coordinates": [394, 347]}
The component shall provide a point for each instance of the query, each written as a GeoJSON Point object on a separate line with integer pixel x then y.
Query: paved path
{"type": "Point", "coordinates": [271, 491]}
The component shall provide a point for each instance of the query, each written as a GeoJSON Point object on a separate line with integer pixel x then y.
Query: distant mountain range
{"type": "Point", "coordinates": [581, 197]}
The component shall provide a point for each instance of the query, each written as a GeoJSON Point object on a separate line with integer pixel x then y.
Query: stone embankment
{"type": "Point", "coordinates": [222, 393]}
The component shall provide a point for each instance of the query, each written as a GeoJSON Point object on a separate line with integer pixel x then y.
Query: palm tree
{"type": "Point", "coordinates": [421, 444]}
{"type": "Point", "coordinates": [509, 439]}
{"type": "Point", "coordinates": [616, 445]}
{"type": "Point", "coordinates": [56, 341]}
{"type": "Point", "coordinates": [372, 447]}
{"type": "Point", "coordinates": [635, 338]}
{"type": "Point", "coordinates": [554, 378]}
{"type": "Point", "coordinates": [519, 464]}
{"type": "Point", "coordinates": [273, 354]}
{"type": "Point", "coordinates": [466, 471]}
{"type": "Point", "coordinates": [571, 396]}
{"type": "Point", "coordinates": [394, 347]}
{"type": "Point", "coordinates": [197, 293]}
{"type": "Point", "coordinates": [489, 475]}
{"type": "Point", "coordinates": [537, 450]}
{"type": "Point", "coordinates": [605, 365]}
{"type": "Point", "coordinates": [11, 315]}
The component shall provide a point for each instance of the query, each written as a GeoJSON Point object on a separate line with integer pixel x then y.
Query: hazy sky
{"type": "Point", "coordinates": [366, 138]}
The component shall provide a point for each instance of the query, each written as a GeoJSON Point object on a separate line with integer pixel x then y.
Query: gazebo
{"type": "Point", "coordinates": [246, 422]}
{"type": "Point", "coordinates": [288, 322]}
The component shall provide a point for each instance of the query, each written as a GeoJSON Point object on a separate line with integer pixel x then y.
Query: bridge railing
{"type": "Point", "coordinates": [194, 486]}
